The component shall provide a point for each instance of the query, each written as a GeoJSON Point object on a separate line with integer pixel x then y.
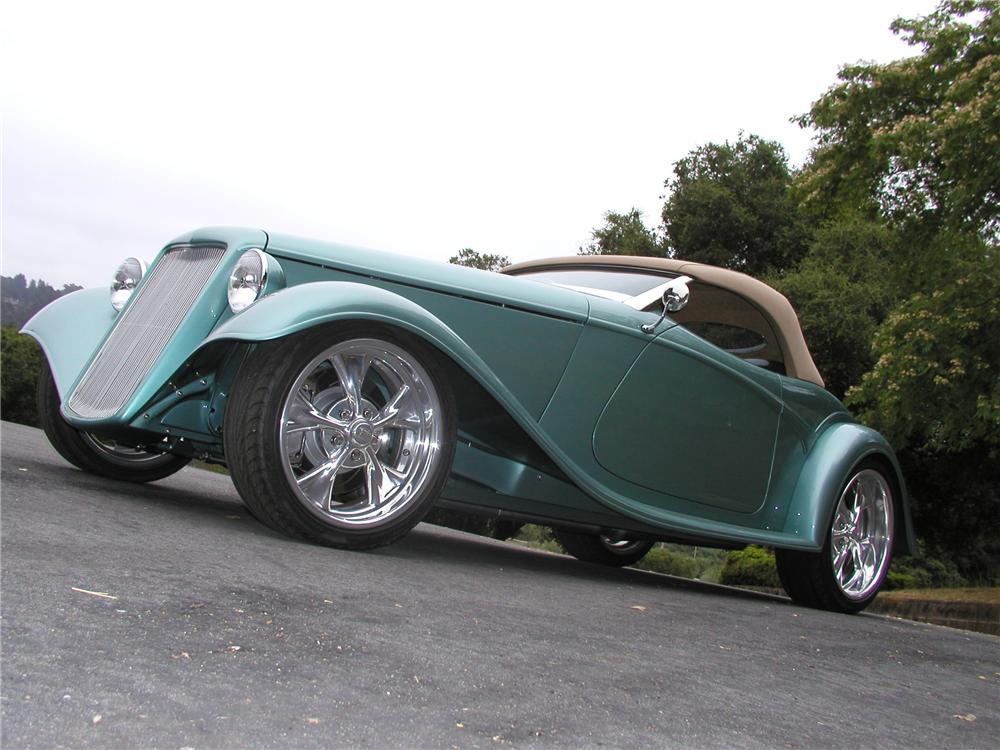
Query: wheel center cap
{"type": "Point", "coordinates": [362, 434]}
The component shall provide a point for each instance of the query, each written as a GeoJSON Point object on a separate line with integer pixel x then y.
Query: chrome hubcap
{"type": "Point", "coordinates": [861, 536]}
{"type": "Point", "coordinates": [360, 432]}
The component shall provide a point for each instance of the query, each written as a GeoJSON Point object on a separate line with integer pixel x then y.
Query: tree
{"type": "Point", "coordinates": [19, 299]}
{"type": "Point", "coordinates": [917, 140]}
{"type": "Point", "coordinates": [842, 290]}
{"type": "Point", "coordinates": [936, 381]}
{"type": "Point", "coordinates": [730, 205]}
{"type": "Point", "coordinates": [623, 234]}
{"type": "Point", "coordinates": [483, 261]}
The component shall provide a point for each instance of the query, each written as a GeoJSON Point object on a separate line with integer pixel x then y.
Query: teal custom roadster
{"type": "Point", "coordinates": [621, 401]}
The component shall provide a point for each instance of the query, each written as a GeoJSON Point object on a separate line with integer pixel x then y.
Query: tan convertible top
{"type": "Point", "coordinates": [772, 305]}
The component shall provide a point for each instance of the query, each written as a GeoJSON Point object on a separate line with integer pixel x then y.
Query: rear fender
{"type": "Point", "coordinates": [826, 470]}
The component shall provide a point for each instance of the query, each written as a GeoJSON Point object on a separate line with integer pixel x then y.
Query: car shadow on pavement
{"type": "Point", "coordinates": [425, 543]}
{"type": "Point", "coordinates": [428, 542]}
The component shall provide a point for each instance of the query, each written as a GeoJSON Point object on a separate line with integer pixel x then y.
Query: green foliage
{"type": "Point", "coordinates": [924, 572]}
{"type": "Point", "coordinates": [730, 205]}
{"type": "Point", "coordinates": [841, 291]}
{"type": "Point", "coordinates": [483, 261]}
{"type": "Point", "coordinates": [534, 533]}
{"type": "Point", "coordinates": [955, 502]}
{"type": "Point", "coordinates": [21, 362]}
{"type": "Point", "coordinates": [623, 234]}
{"type": "Point", "coordinates": [936, 380]}
{"type": "Point", "coordinates": [751, 566]}
{"type": "Point", "coordinates": [917, 139]}
{"type": "Point", "coordinates": [661, 560]}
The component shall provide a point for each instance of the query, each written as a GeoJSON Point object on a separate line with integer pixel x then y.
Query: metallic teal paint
{"type": "Point", "coordinates": [69, 331]}
{"type": "Point", "coordinates": [553, 359]}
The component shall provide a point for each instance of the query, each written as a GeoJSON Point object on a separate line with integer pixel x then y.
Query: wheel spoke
{"type": "Point", "coordinates": [391, 410]}
{"type": "Point", "coordinates": [303, 416]}
{"type": "Point", "coordinates": [377, 481]}
{"type": "Point", "coordinates": [858, 572]}
{"type": "Point", "coordinates": [352, 369]}
{"type": "Point", "coordinates": [840, 559]}
{"type": "Point", "coordinates": [361, 427]}
{"type": "Point", "coordinates": [410, 420]}
{"type": "Point", "coordinates": [317, 483]}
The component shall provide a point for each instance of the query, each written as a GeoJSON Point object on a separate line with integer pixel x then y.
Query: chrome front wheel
{"type": "Point", "coordinates": [342, 435]}
{"type": "Point", "coordinates": [361, 431]}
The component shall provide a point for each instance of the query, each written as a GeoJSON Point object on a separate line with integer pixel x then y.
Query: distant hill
{"type": "Point", "coordinates": [20, 299]}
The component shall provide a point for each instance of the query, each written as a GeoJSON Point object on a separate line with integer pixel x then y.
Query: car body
{"type": "Point", "coordinates": [567, 396]}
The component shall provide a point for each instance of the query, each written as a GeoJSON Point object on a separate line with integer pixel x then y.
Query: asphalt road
{"type": "Point", "coordinates": [223, 634]}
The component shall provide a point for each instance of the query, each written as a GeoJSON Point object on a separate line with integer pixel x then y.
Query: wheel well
{"type": "Point", "coordinates": [482, 420]}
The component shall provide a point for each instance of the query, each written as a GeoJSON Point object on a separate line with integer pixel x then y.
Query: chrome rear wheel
{"type": "Point", "coordinates": [861, 535]}
{"type": "Point", "coordinates": [847, 574]}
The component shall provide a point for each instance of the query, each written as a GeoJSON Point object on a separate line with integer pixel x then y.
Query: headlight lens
{"type": "Point", "coordinates": [127, 276]}
{"type": "Point", "coordinates": [247, 280]}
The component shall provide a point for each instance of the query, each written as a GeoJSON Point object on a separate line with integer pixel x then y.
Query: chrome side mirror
{"type": "Point", "coordinates": [675, 297]}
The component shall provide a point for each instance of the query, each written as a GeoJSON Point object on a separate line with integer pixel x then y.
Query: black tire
{"type": "Point", "coordinates": [596, 548]}
{"type": "Point", "coordinates": [93, 455]}
{"type": "Point", "coordinates": [811, 579]}
{"type": "Point", "coordinates": [265, 473]}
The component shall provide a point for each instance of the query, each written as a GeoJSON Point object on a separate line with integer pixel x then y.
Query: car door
{"type": "Point", "coordinates": [689, 420]}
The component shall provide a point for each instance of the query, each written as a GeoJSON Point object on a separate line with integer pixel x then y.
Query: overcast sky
{"type": "Point", "coordinates": [419, 127]}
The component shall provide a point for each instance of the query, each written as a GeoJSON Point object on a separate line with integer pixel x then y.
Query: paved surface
{"type": "Point", "coordinates": [224, 634]}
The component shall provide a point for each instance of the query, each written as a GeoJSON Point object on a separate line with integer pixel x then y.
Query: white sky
{"type": "Point", "coordinates": [419, 127]}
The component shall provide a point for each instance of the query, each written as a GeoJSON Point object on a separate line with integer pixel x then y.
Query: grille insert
{"type": "Point", "coordinates": [143, 330]}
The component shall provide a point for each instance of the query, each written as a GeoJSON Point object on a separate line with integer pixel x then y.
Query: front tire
{"type": "Point", "coordinates": [847, 574]}
{"type": "Point", "coordinates": [95, 454]}
{"type": "Point", "coordinates": [341, 435]}
{"type": "Point", "coordinates": [601, 549]}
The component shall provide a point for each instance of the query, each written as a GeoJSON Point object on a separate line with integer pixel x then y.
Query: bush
{"type": "Point", "coordinates": [661, 560]}
{"type": "Point", "coordinates": [924, 572]}
{"type": "Point", "coordinates": [536, 534]}
{"type": "Point", "coordinates": [21, 360]}
{"type": "Point", "coordinates": [752, 566]}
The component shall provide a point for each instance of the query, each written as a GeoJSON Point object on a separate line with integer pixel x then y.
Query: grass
{"type": "Point", "coordinates": [985, 595]}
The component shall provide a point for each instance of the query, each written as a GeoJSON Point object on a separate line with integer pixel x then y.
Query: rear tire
{"type": "Point", "coordinates": [847, 574]}
{"type": "Point", "coordinates": [341, 435]}
{"type": "Point", "coordinates": [94, 454]}
{"type": "Point", "coordinates": [600, 549]}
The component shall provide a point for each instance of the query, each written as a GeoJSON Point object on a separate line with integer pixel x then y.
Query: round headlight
{"type": "Point", "coordinates": [247, 280]}
{"type": "Point", "coordinates": [127, 276]}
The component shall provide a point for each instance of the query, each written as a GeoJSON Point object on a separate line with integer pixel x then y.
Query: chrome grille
{"type": "Point", "coordinates": [143, 330]}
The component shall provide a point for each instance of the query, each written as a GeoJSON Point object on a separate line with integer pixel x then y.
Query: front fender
{"type": "Point", "coordinates": [824, 473]}
{"type": "Point", "coordinates": [304, 306]}
{"type": "Point", "coordinates": [69, 329]}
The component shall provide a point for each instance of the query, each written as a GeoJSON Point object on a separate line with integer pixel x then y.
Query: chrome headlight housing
{"type": "Point", "coordinates": [247, 280]}
{"type": "Point", "coordinates": [126, 278]}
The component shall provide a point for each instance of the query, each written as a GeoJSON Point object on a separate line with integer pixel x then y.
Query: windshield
{"type": "Point", "coordinates": [610, 284]}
